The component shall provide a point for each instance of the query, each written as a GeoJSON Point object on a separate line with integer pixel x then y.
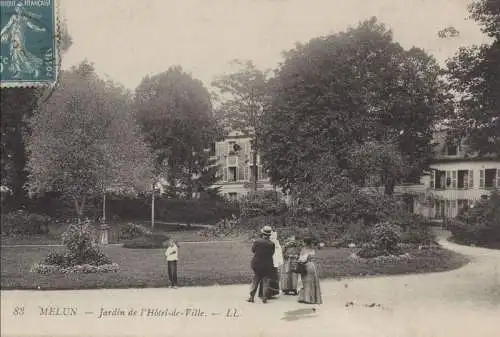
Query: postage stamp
{"type": "Point", "coordinates": [29, 43]}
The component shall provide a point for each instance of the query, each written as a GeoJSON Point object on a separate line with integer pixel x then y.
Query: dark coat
{"type": "Point", "coordinates": [263, 250]}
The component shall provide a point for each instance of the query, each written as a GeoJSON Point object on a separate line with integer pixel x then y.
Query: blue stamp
{"type": "Point", "coordinates": [29, 43]}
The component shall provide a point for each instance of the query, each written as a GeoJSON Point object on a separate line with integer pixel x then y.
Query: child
{"type": "Point", "coordinates": [172, 255]}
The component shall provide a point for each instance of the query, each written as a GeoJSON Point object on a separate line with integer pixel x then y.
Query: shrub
{"type": "Point", "coordinates": [262, 204]}
{"type": "Point", "coordinates": [42, 268]}
{"type": "Point", "coordinates": [81, 254]}
{"type": "Point", "coordinates": [92, 255]}
{"type": "Point", "coordinates": [418, 235]}
{"type": "Point", "coordinates": [55, 259]}
{"type": "Point", "coordinates": [131, 231]}
{"type": "Point", "coordinates": [355, 233]}
{"type": "Point", "coordinates": [80, 248]}
{"type": "Point", "coordinates": [24, 223]}
{"type": "Point", "coordinates": [385, 238]}
{"type": "Point", "coordinates": [177, 210]}
{"type": "Point", "coordinates": [153, 241]}
{"type": "Point", "coordinates": [79, 240]}
{"type": "Point", "coordinates": [370, 251]}
{"type": "Point", "coordinates": [479, 225]}
{"type": "Point", "coordinates": [358, 205]}
{"type": "Point", "coordinates": [415, 229]}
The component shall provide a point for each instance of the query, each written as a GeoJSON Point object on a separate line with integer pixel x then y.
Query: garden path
{"type": "Point", "coordinates": [464, 302]}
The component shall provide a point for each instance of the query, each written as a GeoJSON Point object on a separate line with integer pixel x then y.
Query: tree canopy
{"type": "Point", "coordinates": [84, 140]}
{"type": "Point", "coordinates": [244, 95]}
{"type": "Point", "coordinates": [345, 89]}
{"type": "Point", "coordinates": [474, 74]}
{"type": "Point", "coordinates": [175, 112]}
{"type": "Point", "coordinates": [16, 106]}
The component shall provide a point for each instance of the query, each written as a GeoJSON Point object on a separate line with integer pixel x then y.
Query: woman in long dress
{"type": "Point", "coordinates": [309, 291]}
{"type": "Point", "coordinates": [290, 279]}
{"type": "Point", "coordinates": [278, 263]}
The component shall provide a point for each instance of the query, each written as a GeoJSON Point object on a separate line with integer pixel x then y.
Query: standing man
{"type": "Point", "coordinates": [172, 255]}
{"type": "Point", "coordinates": [262, 264]}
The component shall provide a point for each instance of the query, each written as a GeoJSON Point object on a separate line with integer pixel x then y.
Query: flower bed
{"type": "Point", "coordinates": [81, 254]}
{"type": "Point", "coordinates": [41, 268]}
{"type": "Point", "coordinates": [381, 258]}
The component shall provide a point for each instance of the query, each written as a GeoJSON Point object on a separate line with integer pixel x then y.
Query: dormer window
{"type": "Point", "coordinates": [452, 149]}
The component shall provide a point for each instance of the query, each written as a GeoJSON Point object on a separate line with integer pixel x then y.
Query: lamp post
{"type": "Point", "coordinates": [104, 228]}
{"type": "Point", "coordinates": [153, 206]}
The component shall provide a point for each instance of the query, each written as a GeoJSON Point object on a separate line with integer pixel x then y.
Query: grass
{"type": "Point", "coordinates": [201, 264]}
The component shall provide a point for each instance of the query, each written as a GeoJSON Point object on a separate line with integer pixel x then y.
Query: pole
{"type": "Point", "coordinates": [153, 207]}
{"type": "Point", "coordinates": [104, 207]}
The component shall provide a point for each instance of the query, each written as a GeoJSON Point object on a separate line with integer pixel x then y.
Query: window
{"type": "Point", "coordinates": [232, 173]}
{"type": "Point", "coordinates": [213, 149]}
{"type": "Point", "coordinates": [241, 174]}
{"type": "Point", "coordinates": [440, 180]}
{"type": "Point", "coordinates": [224, 174]}
{"type": "Point", "coordinates": [439, 208]}
{"type": "Point", "coordinates": [489, 178]}
{"type": "Point", "coordinates": [246, 173]}
{"type": "Point", "coordinates": [453, 179]}
{"type": "Point", "coordinates": [451, 150]}
{"type": "Point", "coordinates": [264, 175]}
{"type": "Point", "coordinates": [252, 173]}
{"type": "Point", "coordinates": [373, 180]}
{"type": "Point", "coordinates": [465, 179]}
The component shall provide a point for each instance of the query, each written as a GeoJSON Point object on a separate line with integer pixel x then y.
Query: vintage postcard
{"type": "Point", "coordinates": [250, 168]}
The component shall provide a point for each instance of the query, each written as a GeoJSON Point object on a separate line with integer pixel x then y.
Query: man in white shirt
{"type": "Point", "coordinates": [172, 256]}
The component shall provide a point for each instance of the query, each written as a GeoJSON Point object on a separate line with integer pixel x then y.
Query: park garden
{"type": "Point", "coordinates": [341, 112]}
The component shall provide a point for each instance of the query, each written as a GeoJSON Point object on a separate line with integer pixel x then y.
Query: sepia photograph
{"type": "Point", "coordinates": [250, 168]}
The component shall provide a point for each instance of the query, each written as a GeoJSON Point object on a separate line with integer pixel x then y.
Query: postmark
{"type": "Point", "coordinates": [29, 43]}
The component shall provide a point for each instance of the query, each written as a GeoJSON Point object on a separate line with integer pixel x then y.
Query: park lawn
{"type": "Point", "coordinates": [200, 264]}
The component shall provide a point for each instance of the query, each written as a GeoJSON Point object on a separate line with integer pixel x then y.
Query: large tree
{"type": "Point", "coordinates": [243, 97]}
{"type": "Point", "coordinates": [345, 89]}
{"type": "Point", "coordinates": [381, 161]}
{"type": "Point", "coordinates": [474, 74]}
{"type": "Point", "coordinates": [175, 112]}
{"type": "Point", "coordinates": [84, 141]}
{"type": "Point", "coordinates": [16, 106]}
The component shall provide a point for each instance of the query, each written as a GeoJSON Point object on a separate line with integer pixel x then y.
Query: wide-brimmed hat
{"type": "Point", "coordinates": [266, 230]}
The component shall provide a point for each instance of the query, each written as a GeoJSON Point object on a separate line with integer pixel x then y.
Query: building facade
{"type": "Point", "coordinates": [457, 179]}
{"type": "Point", "coordinates": [234, 157]}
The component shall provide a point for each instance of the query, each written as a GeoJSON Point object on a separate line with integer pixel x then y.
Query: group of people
{"type": "Point", "coordinates": [289, 269]}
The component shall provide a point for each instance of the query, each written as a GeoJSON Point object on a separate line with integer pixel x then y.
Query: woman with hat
{"type": "Point", "coordinates": [274, 285]}
{"type": "Point", "coordinates": [309, 289]}
{"type": "Point", "coordinates": [289, 277]}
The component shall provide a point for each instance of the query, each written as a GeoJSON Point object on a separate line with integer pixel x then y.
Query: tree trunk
{"type": "Point", "coordinates": [190, 181]}
{"type": "Point", "coordinates": [79, 208]}
{"type": "Point", "coordinates": [19, 163]}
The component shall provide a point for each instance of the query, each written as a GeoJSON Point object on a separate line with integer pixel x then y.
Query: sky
{"type": "Point", "coordinates": [129, 39]}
